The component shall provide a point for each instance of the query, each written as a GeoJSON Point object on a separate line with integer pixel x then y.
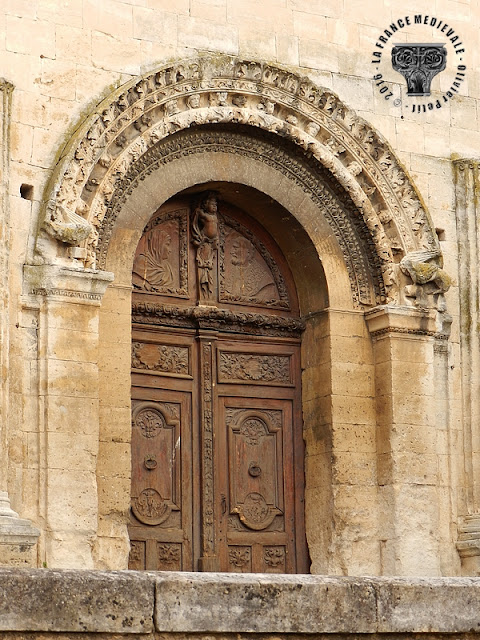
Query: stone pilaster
{"type": "Point", "coordinates": [404, 340]}
{"type": "Point", "coordinates": [467, 191]}
{"type": "Point", "coordinates": [68, 301]}
{"type": "Point", "coordinates": [17, 536]}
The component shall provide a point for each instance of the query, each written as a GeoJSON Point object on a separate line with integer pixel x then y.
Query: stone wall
{"type": "Point", "coordinates": [399, 465]}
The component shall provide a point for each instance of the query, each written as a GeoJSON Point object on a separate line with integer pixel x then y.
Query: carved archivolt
{"type": "Point", "coordinates": [116, 146]}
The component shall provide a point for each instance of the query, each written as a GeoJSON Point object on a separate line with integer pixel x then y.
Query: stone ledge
{"type": "Point", "coordinates": [129, 602]}
{"type": "Point", "coordinates": [76, 601]}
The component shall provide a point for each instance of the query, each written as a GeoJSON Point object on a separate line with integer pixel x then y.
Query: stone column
{"type": "Point", "coordinates": [17, 536]}
{"type": "Point", "coordinates": [407, 445]}
{"type": "Point", "coordinates": [69, 301]}
{"type": "Point", "coordinates": [467, 190]}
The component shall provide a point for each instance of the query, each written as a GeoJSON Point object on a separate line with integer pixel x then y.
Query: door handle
{"type": "Point", "coordinates": [224, 505]}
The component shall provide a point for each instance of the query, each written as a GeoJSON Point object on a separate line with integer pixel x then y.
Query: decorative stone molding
{"type": "Point", "coordinates": [52, 281]}
{"type": "Point", "coordinates": [113, 142]}
{"type": "Point", "coordinates": [389, 319]}
{"type": "Point", "coordinates": [361, 260]}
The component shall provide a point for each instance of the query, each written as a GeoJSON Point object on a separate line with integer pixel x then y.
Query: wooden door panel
{"type": "Point", "coordinates": [161, 496]}
{"type": "Point", "coordinates": [217, 451]}
{"type": "Point", "coordinates": [255, 484]}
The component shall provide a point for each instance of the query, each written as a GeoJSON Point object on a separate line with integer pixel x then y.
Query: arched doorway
{"type": "Point", "coordinates": [217, 448]}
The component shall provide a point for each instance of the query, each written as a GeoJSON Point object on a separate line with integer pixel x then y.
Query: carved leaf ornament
{"type": "Point", "coordinates": [114, 151]}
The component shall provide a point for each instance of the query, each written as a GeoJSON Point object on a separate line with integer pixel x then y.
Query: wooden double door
{"type": "Point", "coordinates": [217, 449]}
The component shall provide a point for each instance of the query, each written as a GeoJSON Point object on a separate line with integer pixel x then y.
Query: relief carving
{"type": "Point", "coordinates": [248, 272]}
{"type": "Point", "coordinates": [149, 422]}
{"type": "Point", "coordinates": [239, 556]}
{"type": "Point", "coordinates": [249, 366]}
{"type": "Point", "coordinates": [151, 417]}
{"type": "Point", "coordinates": [255, 512]}
{"type": "Point", "coordinates": [169, 555]}
{"type": "Point", "coordinates": [297, 101]}
{"type": "Point", "coordinates": [274, 556]}
{"type": "Point", "coordinates": [205, 238]}
{"type": "Point", "coordinates": [253, 429]}
{"type": "Point", "coordinates": [65, 225]}
{"type": "Point", "coordinates": [161, 260]}
{"type": "Point", "coordinates": [347, 228]}
{"type": "Point", "coordinates": [164, 358]}
{"type": "Point", "coordinates": [430, 281]}
{"type": "Point", "coordinates": [214, 318]}
{"type": "Point", "coordinates": [150, 507]}
{"type": "Point", "coordinates": [136, 559]}
{"type": "Point", "coordinates": [208, 540]}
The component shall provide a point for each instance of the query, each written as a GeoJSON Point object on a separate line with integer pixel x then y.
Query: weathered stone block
{"type": "Point", "coordinates": [75, 601]}
{"type": "Point", "coordinates": [217, 603]}
{"type": "Point", "coordinates": [429, 605]}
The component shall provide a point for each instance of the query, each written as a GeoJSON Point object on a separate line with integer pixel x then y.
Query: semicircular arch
{"type": "Point", "coordinates": [119, 140]}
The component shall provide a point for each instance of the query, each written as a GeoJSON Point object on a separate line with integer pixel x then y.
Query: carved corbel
{"type": "Point", "coordinates": [66, 225]}
{"type": "Point", "coordinates": [430, 280]}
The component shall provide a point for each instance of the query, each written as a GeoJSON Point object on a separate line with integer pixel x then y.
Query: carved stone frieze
{"type": "Point", "coordinates": [227, 90]}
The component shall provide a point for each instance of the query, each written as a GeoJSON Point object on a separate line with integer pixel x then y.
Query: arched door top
{"type": "Point", "coordinates": [110, 153]}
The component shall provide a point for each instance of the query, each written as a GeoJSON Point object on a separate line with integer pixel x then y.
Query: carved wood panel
{"type": "Point", "coordinates": [161, 494]}
{"type": "Point", "coordinates": [217, 450]}
{"type": "Point", "coordinates": [161, 260]}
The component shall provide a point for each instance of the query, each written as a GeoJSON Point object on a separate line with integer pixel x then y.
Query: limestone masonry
{"type": "Point", "coordinates": [239, 306]}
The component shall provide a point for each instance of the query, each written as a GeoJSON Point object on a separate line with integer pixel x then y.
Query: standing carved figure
{"type": "Point", "coordinates": [205, 238]}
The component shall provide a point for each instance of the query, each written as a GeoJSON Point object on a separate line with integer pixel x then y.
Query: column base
{"type": "Point", "coordinates": [468, 545]}
{"type": "Point", "coordinates": [18, 537]}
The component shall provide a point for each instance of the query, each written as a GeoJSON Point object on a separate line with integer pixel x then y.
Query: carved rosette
{"type": "Point", "coordinates": [107, 156]}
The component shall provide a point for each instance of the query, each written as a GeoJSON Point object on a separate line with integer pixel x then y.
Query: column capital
{"type": "Point", "coordinates": [405, 320]}
{"type": "Point", "coordinates": [87, 285]}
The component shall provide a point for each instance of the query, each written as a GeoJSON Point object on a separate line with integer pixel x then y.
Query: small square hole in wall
{"type": "Point", "coordinates": [26, 191]}
{"type": "Point", "coordinates": [441, 234]}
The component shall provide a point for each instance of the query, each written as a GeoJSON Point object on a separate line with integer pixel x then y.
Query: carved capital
{"type": "Point", "coordinates": [69, 284]}
{"type": "Point", "coordinates": [390, 320]}
{"type": "Point", "coordinates": [419, 63]}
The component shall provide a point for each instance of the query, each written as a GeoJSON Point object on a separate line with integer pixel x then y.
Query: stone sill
{"type": "Point", "coordinates": [129, 602]}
